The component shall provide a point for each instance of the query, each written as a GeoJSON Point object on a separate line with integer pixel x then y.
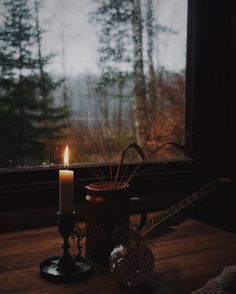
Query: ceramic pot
{"type": "Point", "coordinates": [107, 218]}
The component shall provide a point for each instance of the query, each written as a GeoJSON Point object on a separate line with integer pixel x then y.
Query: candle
{"type": "Point", "coordinates": [66, 193]}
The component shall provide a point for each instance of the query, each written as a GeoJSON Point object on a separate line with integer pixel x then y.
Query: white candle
{"type": "Point", "coordinates": [66, 189]}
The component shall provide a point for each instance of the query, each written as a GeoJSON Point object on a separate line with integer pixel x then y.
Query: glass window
{"type": "Point", "coordinates": [95, 75]}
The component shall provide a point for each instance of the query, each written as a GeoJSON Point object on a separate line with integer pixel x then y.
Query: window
{"type": "Point", "coordinates": [95, 75]}
{"type": "Point", "coordinates": [208, 128]}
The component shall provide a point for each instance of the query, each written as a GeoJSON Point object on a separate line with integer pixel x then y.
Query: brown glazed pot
{"type": "Point", "coordinates": [107, 218]}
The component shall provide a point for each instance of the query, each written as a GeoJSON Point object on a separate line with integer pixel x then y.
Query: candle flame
{"type": "Point", "coordinates": [66, 157]}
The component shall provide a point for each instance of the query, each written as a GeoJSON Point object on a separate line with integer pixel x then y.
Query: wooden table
{"type": "Point", "coordinates": [185, 260]}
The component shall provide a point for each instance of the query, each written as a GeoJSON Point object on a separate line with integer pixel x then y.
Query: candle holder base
{"type": "Point", "coordinates": [51, 269]}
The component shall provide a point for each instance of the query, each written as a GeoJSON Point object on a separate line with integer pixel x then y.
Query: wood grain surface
{"type": "Point", "coordinates": [185, 260]}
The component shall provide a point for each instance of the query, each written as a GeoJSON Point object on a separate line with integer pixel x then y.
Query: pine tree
{"type": "Point", "coordinates": [26, 107]}
{"type": "Point", "coordinates": [53, 119]}
{"type": "Point", "coordinates": [19, 106]}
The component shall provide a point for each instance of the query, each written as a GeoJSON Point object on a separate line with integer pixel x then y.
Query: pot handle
{"type": "Point", "coordinates": [143, 209]}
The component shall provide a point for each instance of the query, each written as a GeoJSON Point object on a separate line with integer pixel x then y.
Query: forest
{"type": "Point", "coordinates": [132, 98]}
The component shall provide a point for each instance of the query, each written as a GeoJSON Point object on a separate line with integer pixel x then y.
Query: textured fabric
{"type": "Point", "coordinates": [225, 283]}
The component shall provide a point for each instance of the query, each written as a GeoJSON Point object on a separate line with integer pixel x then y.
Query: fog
{"type": "Point", "coordinates": [69, 20]}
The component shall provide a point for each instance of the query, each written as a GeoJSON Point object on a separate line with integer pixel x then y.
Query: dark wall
{"type": "Point", "coordinates": [211, 78]}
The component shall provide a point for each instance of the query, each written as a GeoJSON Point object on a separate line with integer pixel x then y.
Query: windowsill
{"type": "Point", "coordinates": [36, 187]}
{"type": "Point", "coordinates": [34, 201]}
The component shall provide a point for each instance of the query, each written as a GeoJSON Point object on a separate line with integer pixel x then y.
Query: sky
{"type": "Point", "coordinates": [70, 18]}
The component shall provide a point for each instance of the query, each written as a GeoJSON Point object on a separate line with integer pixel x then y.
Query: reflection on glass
{"type": "Point", "coordinates": [91, 74]}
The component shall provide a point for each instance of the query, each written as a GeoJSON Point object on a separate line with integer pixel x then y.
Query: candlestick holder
{"type": "Point", "coordinates": [66, 267]}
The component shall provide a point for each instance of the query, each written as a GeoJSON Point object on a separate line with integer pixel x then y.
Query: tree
{"type": "Point", "coordinates": [19, 106]}
{"type": "Point", "coordinates": [152, 76]}
{"type": "Point", "coordinates": [121, 43]}
{"type": "Point", "coordinates": [125, 26]}
{"type": "Point", "coordinates": [112, 18]}
{"type": "Point", "coordinates": [142, 120]}
{"type": "Point", "coordinates": [53, 119]}
{"type": "Point", "coordinates": [26, 107]}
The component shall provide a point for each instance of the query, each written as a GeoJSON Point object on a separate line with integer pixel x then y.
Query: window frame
{"type": "Point", "coordinates": [211, 76]}
{"type": "Point", "coordinates": [38, 187]}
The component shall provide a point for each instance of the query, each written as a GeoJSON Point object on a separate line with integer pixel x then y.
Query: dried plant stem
{"type": "Point", "coordinates": [96, 175]}
{"type": "Point", "coordinates": [126, 168]}
{"type": "Point", "coordinates": [133, 157]}
{"type": "Point", "coordinates": [118, 170]}
{"type": "Point", "coordinates": [138, 150]}
{"type": "Point", "coordinates": [129, 163]}
{"type": "Point", "coordinates": [177, 145]}
{"type": "Point", "coordinates": [175, 213]}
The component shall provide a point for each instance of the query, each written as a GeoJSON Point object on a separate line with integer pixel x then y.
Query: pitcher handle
{"type": "Point", "coordinates": [143, 209]}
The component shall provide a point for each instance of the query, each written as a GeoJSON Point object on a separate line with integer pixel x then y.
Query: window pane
{"type": "Point", "coordinates": [92, 74]}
